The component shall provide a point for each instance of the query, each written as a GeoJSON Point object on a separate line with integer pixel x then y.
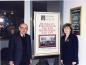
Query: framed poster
{"type": "Point", "coordinates": [46, 33]}
{"type": "Point", "coordinates": [75, 19]}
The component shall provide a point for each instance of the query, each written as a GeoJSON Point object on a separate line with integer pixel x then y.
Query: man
{"type": "Point", "coordinates": [20, 47]}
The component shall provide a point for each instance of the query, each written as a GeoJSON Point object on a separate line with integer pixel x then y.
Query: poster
{"type": "Point", "coordinates": [46, 33]}
{"type": "Point", "coordinates": [75, 19]}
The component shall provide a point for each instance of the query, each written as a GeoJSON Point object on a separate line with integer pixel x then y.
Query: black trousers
{"type": "Point", "coordinates": [43, 62]}
{"type": "Point", "coordinates": [25, 61]}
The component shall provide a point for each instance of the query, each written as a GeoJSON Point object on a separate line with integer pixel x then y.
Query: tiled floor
{"type": "Point", "coordinates": [51, 61]}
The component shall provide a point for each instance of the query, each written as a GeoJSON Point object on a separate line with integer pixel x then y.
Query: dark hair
{"type": "Point", "coordinates": [21, 23]}
{"type": "Point", "coordinates": [67, 25]}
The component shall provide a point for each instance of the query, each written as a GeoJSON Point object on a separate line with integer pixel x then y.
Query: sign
{"type": "Point", "coordinates": [46, 33]}
{"type": "Point", "coordinates": [75, 20]}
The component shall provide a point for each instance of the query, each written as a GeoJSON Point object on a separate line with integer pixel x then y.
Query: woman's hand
{"type": "Point", "coordinates": [73, 63]}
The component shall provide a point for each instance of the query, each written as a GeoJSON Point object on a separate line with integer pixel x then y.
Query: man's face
{"type": "Point", "coordinates": [23, 28]}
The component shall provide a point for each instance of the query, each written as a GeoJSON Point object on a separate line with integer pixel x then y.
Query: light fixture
{"type": "Point", "coordinates": [1, 20]}
{"type": "Point", "coordinates": [12, 12]}
{"type": "Point", "coordinates": [4, 13]}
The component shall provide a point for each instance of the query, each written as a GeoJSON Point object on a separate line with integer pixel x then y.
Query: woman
{"type": "Point", "coordinates": [69, 46]}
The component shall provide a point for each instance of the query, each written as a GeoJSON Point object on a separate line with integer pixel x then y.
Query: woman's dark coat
{"type": "Point", "coordinates": [69, 49]}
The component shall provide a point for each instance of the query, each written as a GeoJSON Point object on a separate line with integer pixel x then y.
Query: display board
{"type": "Point", "coordinates": [46, 33]}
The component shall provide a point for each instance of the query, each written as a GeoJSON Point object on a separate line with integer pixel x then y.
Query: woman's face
{"type": "Point", "coordinates": [67, 30]}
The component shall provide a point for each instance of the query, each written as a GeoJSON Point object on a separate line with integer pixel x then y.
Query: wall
{"type": "Point", "coordinates": [54, 6]}
{"type": "Point", "coordinates": [82, 37]}
{"type": "Point", "coordinates": [27, 11]}
{"type": "Point", "coordinates": [3, 44]}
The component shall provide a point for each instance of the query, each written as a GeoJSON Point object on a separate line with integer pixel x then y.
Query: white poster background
{"type": "Point", "coordinates": [49, 26]}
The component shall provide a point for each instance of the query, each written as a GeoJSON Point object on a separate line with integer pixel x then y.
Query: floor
{"type": "Point", "coordinates": [51, 61]}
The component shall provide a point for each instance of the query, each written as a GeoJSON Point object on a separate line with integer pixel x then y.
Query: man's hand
{"type": "Point", "coordinates": [30, 61]}
{"type": "Point", "coordinates": [61, 61]}
{"type": "Point", "coordinates": [11, 63]}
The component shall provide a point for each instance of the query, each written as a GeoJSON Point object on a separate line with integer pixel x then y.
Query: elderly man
{"type": "Point", "coordinates": [20, 47]}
